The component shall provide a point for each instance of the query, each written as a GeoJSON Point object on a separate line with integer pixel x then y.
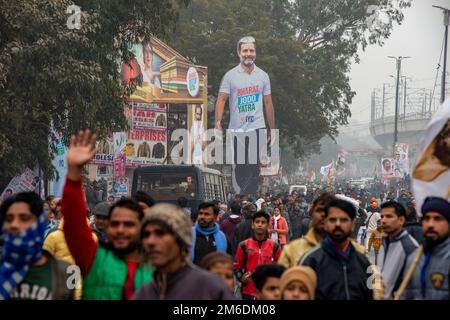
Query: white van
{"type": "Point", "coordinates": [300, 188]}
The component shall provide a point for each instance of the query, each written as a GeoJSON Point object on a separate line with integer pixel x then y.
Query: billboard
{"type": "Point", "coordinates": [401, 161]}
{"type": "Point", "coordinates": [27, 181]}
{"type": "Point", "coordinates": [162, 75]}
{"type": "Point", "coordinates": [387, 168]}
{"type": "Point", "coordinates": [147, 141]}
{"type": "Point", "coordinates": [197, 129]}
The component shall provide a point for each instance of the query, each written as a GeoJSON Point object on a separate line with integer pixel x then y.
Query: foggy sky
{"type": "Point", "coordinates": [420, 36]}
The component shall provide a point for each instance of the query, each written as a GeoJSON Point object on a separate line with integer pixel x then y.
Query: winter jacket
{"type": "Point", "coordinates": [295, 250]}
{"type": "Point", "coordinates": [336, 281]}
{"type": "Point", "coordinates": [100, 284]}
{"type": "Point", "coordinates": [55, 243]}
{"type": "Point", "coordinates": [282, 229]}
{"type": "Point", "coordinates": [243, 231]}
{"type": "Point", "coordinates": [295, 228]}
{"type": "Point", "coordinates": [188, 283]}
{"type": "Point", "coordinates": [359, 222]}
{"type": "Point", "coordinates": [203, 244]}
{"type": "Point", "coordinates": [391, 259]}
{"type": "Point", "coordinates": [106, 275]}
{"type": "Point", "coordinates": [252, 253]}
{"type": "Point", "coordinates": [415, 230]}
{"type": "Point", "coordinates": [228, 226]}
{"type": "Point", "coordinates": [436, 274]}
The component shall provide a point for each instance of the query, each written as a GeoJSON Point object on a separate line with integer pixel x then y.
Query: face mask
{"type": "Point", "coordinates": [20, 251]}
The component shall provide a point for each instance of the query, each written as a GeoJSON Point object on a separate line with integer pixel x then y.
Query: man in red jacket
{"type": "Point", "coordinates": [253, 252]}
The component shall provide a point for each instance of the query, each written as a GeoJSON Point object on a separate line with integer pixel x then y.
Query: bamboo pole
{"type": "Point", "coordinates": [409, 274]}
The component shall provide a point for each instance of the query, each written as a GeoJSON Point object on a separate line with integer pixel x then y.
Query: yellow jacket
{"type": "Point", "coordinates": [295, 250]}
{"type": "Point", "coordinates": [56, 245]}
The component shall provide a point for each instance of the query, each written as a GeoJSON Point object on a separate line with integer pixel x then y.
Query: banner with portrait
{"type": "Point", "coordinates": [197, 129]}
{"type": "Point", "coordinates": [431, 173]}
{"type": "Point", "coordinates": [387, 168]}
{"type": "Point", "coordinates": [401, 162]}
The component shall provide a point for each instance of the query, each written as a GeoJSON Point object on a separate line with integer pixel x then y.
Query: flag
{"type": "Point", "coordinates": [431, 174]}
{"type": "Point", "coordinates": [324, 170]}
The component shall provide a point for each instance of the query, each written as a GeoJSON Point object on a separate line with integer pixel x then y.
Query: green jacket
{"type": "Point", "coordinates": [106, 278]}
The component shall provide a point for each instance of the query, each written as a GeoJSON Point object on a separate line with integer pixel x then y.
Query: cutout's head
{"type": "Point", "coordinates": [246, 49]}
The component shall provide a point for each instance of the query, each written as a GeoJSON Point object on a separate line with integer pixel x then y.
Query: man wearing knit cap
{"type": "Point", "coordinates": [101, 213]}
{"type": "Point", "coordinates": [341, 270]}
{"type": "Point", "coordinates": [166, 240]}
{"type": "Point", "coordinates": [430, 280]}
{"type": "Point", "coordinates": [298, 283]}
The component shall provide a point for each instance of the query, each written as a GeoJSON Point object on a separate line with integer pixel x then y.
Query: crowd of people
{"type": "Point", "coordinates": [338, 245]}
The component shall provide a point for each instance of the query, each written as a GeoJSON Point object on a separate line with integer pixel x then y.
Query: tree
{"type": "Point", "coordinates": [54, 75]}
{"type": "Point", "coordinates": [305, 46]}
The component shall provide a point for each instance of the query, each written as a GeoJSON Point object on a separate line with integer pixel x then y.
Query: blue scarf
{"type": "Point", "coordinates": [219, 237]}
{"type": "Point", "coordinates": [423, 270]}
{"type": "Point", "coordinates": [20, 251]}
{"type": "Point", "coordinates": [339, 251]}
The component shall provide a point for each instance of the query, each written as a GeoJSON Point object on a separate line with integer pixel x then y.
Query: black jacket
{"type": "Point", "coordinates": [204, 245]}
{"type": "Point", "coordinates": [338, 282]}
{"type": "Point", "coordinates": [415, 230]}
{"type": "Point", "coordinates": [296, 227]}
{"type": "Point", "coordinates": [243, 231]}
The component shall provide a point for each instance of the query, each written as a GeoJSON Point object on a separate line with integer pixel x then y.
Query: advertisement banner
{"type": "Point", "coordinates": [401, 162]}
{"type": "Point", "coordinates": [118, 188]}
{"type": "Point", "coordinates": [146, 144]}
{"type": "Point", "coordinates": [197, 129]}
{"type": "Point", "coordinates": [60, 163]}
{"type": "Point", "coordinates": [149, 117]}
{"type": "Point", "coordinates": [120, 158]}
{"type": "Point", "coordinates": [105, 153]}
{"type": "Point", "coordinates": [27, 181]}
{"type": "Point", "coordinates": [161, 75]}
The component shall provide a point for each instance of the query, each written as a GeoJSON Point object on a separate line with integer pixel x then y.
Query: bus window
{"type": "Point", "coordinates": [222, 192]}
{"type": "Point", "coordinates": [216, 188]}
{"type": "Point", "coordinates": [167, 186]}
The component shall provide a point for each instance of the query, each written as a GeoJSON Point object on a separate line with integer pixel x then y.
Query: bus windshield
{"type": "Point", "coordinates": [168, 186]}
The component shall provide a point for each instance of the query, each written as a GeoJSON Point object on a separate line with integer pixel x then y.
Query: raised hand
{"type": "Point", "coordinates": [81, 150]}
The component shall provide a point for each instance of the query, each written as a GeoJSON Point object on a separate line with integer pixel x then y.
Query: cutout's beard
{"type": "Point", "coordinates": [247, 62]}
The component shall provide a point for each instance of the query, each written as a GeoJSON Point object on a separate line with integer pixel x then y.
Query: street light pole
{"type": "Point", "coordinates": [399, 65]}
{"type": "Point", "coordinates": [446, 23]}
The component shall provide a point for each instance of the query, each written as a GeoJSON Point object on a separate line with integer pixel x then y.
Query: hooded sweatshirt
{"type": "Point", "coordinates": [228, 226]}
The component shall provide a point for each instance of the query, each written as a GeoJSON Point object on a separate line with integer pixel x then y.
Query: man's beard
{"type": "Point", "coordinates": [339, 238]}
{"type": "Point", "coordinates": [431, 243]}
{"type": "Point", "coordinates": [124, 251]}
